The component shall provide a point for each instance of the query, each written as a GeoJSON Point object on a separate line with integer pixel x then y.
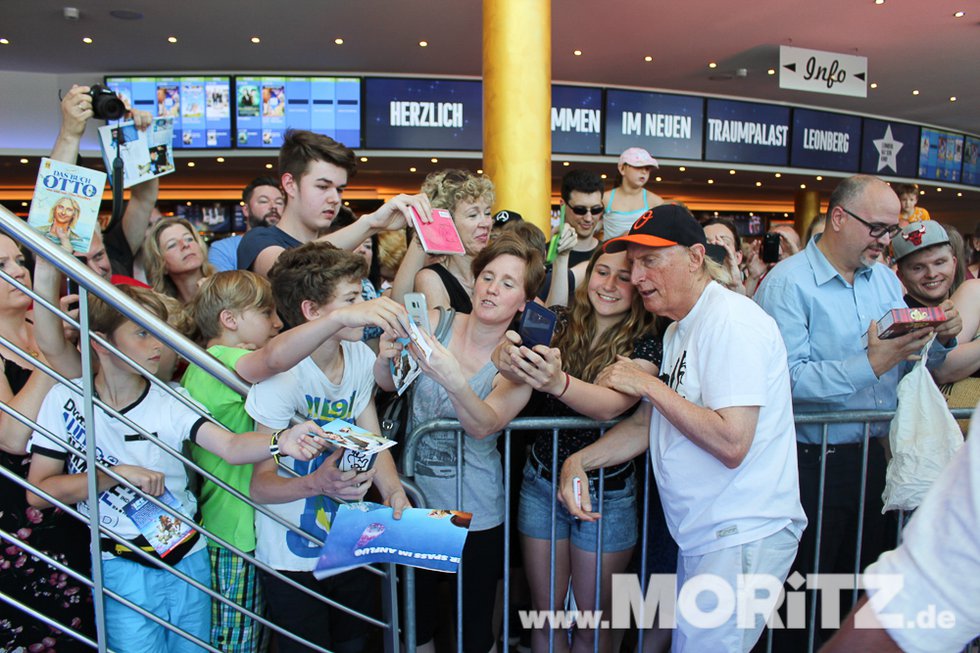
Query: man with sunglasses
{"type": "Point", "coordinates": [826, 304]}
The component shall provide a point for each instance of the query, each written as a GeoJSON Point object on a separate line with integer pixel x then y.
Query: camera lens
{"type": "Point", "coordinates": [106, 105]}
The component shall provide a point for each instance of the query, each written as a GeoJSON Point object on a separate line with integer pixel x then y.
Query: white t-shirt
{"type": "Point", "coordinates": [156, 412]}
{"type": "Point", "coordinates": [727, 352]}
{"type": "Point", "coordinates": [939, 559]}
{"type": "Point", "coordinates": [305, 389]}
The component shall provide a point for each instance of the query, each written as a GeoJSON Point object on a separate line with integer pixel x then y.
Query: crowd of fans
{"type": "Point", "coordinates": [705, 348]}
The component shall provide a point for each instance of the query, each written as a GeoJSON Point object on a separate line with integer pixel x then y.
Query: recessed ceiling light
{"type": "Point", "coordinates": [241, 203]}
{"type": "Point", "coordinates": [268, 166]}
{"type": "Point", "coordinates": [577, 53]}
{"type": "Point", "coordinates": [711, 181]}
{"type": "Point", "coordinates": [24, 203]}
{"type": "Point", "coordinates": [346, 203]}
{"type": "Point", "coordinates": [959, 194]}
{"type": "Point", "coordinates": [874, 84]}
{"type": "Point", "coordinates": [256, 39]}
{"type": "Point", "coordinates": [778, 175]}
{"type": "Point", "coordinates": [819, 177]}
{"type": "Point", "coordinates": [4, 42]}
{"type": "Point", "coordinates": [658, 179]}
{"type": "Point", "coordinates": [682, 168]}
{"type": "Point", "coordinates": [339, 41]}
{"type": "Point", "coordinates": [191, 164]}
{"type": "Point", "coordinates": [412, 169]}
{"type": "Point", "coordinates": [731, 172]}
{"type": "Point", "coordinates": [364, 159]}
{"type": "Point", "coordinates": [959, 14]}
{"type": "Point", "coordinates": [171, 39]}
{"type": "Point", "coordinates": [922, 192]}
{"type": "Point", "coordinates": [479, 171]}
{"type": "Point", "coordinates": [87, 40]}
{"type": "Point", "coordinates": [786, 215]}
{"type": "Point", "coordinates": [915, 92]}
{"type": "Point", "coordinates": [879, 2]}
{"type": "Point", "coordinates": [188, 203]}
{"type": "Point", "coordinates": [434, 160]}
{"type": "Point", "coordinates": [648, 58]}
{"type": "Point", "coordinates": [952, 98]}
{"type": "Point", "coordinates": [566, 163]}
{"type": "Point", "coordinates": [716, 213]}
{"type": "Point", "coordinates": [24, 161]}
{"type": "Point", "coordinates": [938, 189]}
{"type": "Point", "coordinates": [423, 44]}
{"type": "Point", "coordinates": [802, 185]}
{"type": "Point", "coordinates": [771, 71]}
{"type": "Point", "coordinates": [758, 183]}
{"type": "Point", "coordinates": [220, 159]}
{"type": "Point", "coordinates": [603, 176]}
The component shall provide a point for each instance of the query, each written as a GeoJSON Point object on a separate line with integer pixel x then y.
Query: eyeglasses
{"type": "Point", "coordinates": [876, 229]}
{"type": "Point", "coordinates": [582, 210]}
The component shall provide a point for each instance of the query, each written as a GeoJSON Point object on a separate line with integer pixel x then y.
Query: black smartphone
{"type": "Point", "coordinates": [71, 286]}
{"type": "Point", "coordinates": [537, 325]}
{"type": "Point", "coordinates": [770, 248]}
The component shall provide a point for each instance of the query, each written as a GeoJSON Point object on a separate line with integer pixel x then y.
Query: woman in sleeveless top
{"type": "Point", "coordinates": [629, 200]}
{"type": "Point", "coordinates": [22, 577]}
{"type": "Point", "coordinates": [449, 283]}
{"type": "Point", "coordinates": [460, 382]}
{"type": "Point", "coordinates": [176, 258]}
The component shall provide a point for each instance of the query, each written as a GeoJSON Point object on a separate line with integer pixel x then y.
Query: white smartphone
{"type": "Point", "coordinates": [418, 310]}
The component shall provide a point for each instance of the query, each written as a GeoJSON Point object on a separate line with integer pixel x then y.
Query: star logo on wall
{"type": "Point", "coordinates": [888, 149]}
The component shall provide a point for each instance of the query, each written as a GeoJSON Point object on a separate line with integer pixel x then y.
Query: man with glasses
{"type": "Point", "coordinates": [826, 304]}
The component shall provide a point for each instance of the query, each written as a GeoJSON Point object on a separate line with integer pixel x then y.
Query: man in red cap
{"type": "Point", "coordinates": [719, 425]}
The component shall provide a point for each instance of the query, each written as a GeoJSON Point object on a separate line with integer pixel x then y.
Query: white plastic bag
{"type": "Point", "coordinates": [923, 437]}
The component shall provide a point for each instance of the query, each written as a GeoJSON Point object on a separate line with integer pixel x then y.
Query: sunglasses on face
{"type": "Point", "coordinates": [582, 210]}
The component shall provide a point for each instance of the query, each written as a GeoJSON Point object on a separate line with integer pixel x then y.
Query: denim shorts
{"type": "Point", "coordinates": [618, 514]}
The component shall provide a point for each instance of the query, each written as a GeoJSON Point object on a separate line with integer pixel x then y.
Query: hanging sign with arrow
{"type": "Point", "coordinates": [823, 72]}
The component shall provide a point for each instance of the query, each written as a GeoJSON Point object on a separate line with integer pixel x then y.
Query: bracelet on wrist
{"type": "Point", "coordinates": [274, 445]}
{"type": "Point", "coordinates": [568, 382]}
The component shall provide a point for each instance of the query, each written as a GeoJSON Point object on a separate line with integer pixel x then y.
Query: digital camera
{"type": "Point", "coordinates": [106, 105]}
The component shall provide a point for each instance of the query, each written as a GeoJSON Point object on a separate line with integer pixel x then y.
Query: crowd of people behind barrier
{"type": "Point", "coordinates": [685, 330]}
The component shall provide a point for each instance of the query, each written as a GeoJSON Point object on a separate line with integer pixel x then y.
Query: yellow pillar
{"type": "Point", "coordinates": [517, 105]}
{"type": "Point", "coordinates": [806, 207]}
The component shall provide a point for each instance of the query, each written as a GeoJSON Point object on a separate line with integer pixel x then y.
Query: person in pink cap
{"type": "Point", "coordinates": [629, 200]}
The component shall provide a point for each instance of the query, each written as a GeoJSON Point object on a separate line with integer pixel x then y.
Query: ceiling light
{"type": "Point", "coordinates": [786, 215]}
{"type": "Point", "coordinates": [188, 203]}
{"type": "Point", "coordinates": [711, 181]}
{"type": "Point", "coordinates": [682, 169]}
{"type": "Point", "coordinates": [339, 41]}
{"type": "Point", "coordinates": [879, 2]}
{"type": "Point", "coordinates": [191, 164]}
{"type": "Point", "coordinates": [171, 39]}
{"type": "Point", "coordinates": [87, 40]}
{"type": "Point", "coordinates": [802, 185]}
{"type": "Point", "coordinates": [346, 203]}
{"type": "Point", "coordinates": [648, 58]}
{"type": "Point", "coordinates": [479, 171]}
{"type": "Point", "coordinates": [241, 203]}
{"type": "Point", "coordinates": [566, 163]}
{"type": "Point", "coordinates": [716, 213]}
{"type": "Point", "coordinates": [4, 42]}
{"type": "Point", "coordinates": [364, 159]}
{"type": "Point", "coordinates": [577, 53]}
{"type": "Point", "coordinates": [256, 39]}
{"type": "Point", "coordinates": [874, 84]}
{"type": "Point", "coordinates": [412, 169]}
{"type": "Point", "coordinates": [771, 71]}
{"type": "Point", "coordinates": [922, 192]}
{"type": "Point", "coordinates": [434, 160]}
{"type": "Point", "coordinates": [939, 190]}
{"type": "Point", "coordinates": [819, 177]}
{"type": "Point", "coordinates": [268, 166]}
{"type": "Point", "coordinates": [220, 159]}
{"type": "Point", "coordinates": [658, 179]}
{"type": "Point", "coordinates": [603, 176]}
{"type": "Point", "coordinates": [915, 92]}
{"type": "Point", "coordinates": [731, 172]}
{"type": "Point", "coordinates": [778, 175]}
{"type": "Point", "coordinates": [758, 183]}
{"type": "Point", "coordinates": [959, 194]}
{"type": "Point", "coordinates": [959, 14]}
{"type": "Point", "coordinates": [423, 44]}
{"type": "Point", "coordinates": [712, 65]}
{"type": "Point", "coordinates": [952, 98]}
{"type": "Point", "coordinates": [24, 161]}
{"type": "Point", "coordinates": [24, 203]}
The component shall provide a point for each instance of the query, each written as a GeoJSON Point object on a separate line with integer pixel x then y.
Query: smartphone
{"type": "Point", "coordinates": [418, 310]}
{"type": "Point", "coordinates": [71, 286]}
{"type": "Point", "coordinates": [770, 248]}
{"type": "Point", "coordinates": [537, 325]}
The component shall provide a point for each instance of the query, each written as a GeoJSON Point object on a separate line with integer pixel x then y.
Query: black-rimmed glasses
{"type": "Point", "coordinates": [875, 229]}
{"type": "Point", "coordinates": [582, 210]}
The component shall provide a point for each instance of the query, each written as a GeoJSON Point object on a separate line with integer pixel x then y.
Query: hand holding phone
{"type": "Point", "coordinates": [537, 325]}
{"type": "Point", "coordinates": [770, 248]}
{"type": "Point", "coordinates": [418, 310]}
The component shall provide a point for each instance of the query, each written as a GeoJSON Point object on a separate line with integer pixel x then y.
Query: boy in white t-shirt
{"type": "Point", "coordinates": [60, 470]}
{"type": "Point", "coordinates": [309, 283]}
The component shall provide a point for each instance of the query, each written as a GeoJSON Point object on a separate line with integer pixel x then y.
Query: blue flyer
{"type": "Point", "coordinates": [365, 533]}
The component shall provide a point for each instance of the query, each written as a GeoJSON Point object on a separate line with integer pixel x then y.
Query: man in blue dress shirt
{"type": "Point", "coordinates": [824, 300]}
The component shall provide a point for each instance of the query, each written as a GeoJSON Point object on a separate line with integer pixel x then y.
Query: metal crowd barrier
{"type": "Point", "coordinates": [395, 625]}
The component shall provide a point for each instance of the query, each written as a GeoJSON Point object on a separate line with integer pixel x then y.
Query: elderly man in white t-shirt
{"type": "Point", "coordinates": [718, 422]}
